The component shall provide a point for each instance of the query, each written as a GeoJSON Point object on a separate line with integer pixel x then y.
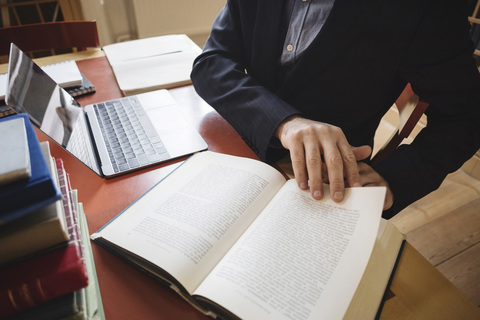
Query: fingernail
{"type": "Point", "coordinates": [357, 184]}
{"type": "Point", "coordinates": [303, 185]}
{"type": "Point", "coordinates": [338, 195]}
{"type": "Point", "coordinates": [317, 194]}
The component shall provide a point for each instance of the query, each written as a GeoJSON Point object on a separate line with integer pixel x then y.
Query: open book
{"type": "Point", "coordinates": [236, 239]}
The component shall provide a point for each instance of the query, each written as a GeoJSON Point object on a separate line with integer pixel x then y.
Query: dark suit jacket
{"type": "Point", "coordinates": [352, 73]}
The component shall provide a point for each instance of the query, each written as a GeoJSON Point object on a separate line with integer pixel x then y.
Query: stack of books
{"type": "Point", "coordinates": [46, 263]}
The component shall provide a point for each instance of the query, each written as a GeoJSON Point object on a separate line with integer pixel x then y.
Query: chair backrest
{"type": "Point", "coordinates": [410, 109]}
{"type": "Point", "coordinates": [76, 35]}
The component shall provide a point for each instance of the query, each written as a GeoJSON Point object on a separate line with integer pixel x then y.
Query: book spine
{"type": "Point", "coordinates": [86, 88]}
{"type": "Point", "coordinates": [41, 289]}
{"type": "Point", "coordinates": [59, 272]}
{"type": "Point", "coordinates": [72, 218]}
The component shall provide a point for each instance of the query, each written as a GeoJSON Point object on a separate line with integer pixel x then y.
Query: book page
{"type": "Point", "coordinates": [301, 258]}
{"type": "Point", "coordinates": [187, 222]}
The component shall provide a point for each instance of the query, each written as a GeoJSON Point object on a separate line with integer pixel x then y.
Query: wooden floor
{"type": "Point", "coordinates": [445, 228]}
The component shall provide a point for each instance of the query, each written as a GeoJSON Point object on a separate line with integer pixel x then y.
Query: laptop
{"type": "Point", "coordinates": [112, 137]}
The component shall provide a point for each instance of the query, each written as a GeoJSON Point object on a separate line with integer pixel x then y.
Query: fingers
{"type": "Point", "coordinates": [369, 177]}
{"type": "Point", "coordinates": [307, 166]}
{"type": "Point", "coordinates": [335, 156]}
{"type": "Point", "coordinates": [340, 161]}
{"type": "Point", "coordinates": [314, 169]}
{"type": "Point", "coordinates": [352, 155]}
{"type": "Point", "coordinates": [362, 153]}
{"type": "Point", "coordinates": [306, 149]}
{"type": "Point", "coordinates": [349, 159]}
{"type": "Point", "coordinates": [324, 155]}
{"type": "Point", "coordinates": [297, 155]}
{"type": "Point", "coordinates": [308, 141]}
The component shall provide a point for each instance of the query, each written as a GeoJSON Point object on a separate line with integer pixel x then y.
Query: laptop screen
{"type": "Point", "coordinates": [51, 108]}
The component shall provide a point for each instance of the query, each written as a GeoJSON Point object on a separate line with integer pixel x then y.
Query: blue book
{"type": "Point", "coordinates": [22, 197]}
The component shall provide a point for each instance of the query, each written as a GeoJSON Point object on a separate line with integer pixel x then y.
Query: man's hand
{"type": "Point", "coordinates": [316, 146]}
{"type": "Point", "coordinates": [370, 178]}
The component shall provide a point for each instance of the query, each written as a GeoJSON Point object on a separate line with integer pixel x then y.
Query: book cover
{"type": "Point", "coordinates": [23, 197]}
{"type": "Point", "coordinates": [15, 162]}
{"type": "Point", "coordinates": [369, 296]}
{"type": "Point", "coordinates": [43, 229]}
{"type": "Point", "coordinates": [69, 306]}
{"type": "Point", "coordinates": [31, 282]}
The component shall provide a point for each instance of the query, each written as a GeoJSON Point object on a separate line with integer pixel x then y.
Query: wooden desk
{"type": "Point", "coordinates": [127, 292]}
{"type": "Point", "coordinates": [418, 290]}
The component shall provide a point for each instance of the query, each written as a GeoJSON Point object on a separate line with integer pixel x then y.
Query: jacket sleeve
{"type": "Point", "coordinates": [440, 66]}
{"type": "Point", "coordinates": [221, 77]}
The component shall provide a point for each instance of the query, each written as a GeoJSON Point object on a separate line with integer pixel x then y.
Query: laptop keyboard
{"type": "Point", "coordinates": [77, 144]}
{"type": "Point", "coordinates": [129, 135]}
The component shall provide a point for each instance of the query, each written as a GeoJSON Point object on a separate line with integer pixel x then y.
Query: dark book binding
{"type": "Point", "coordinates": [86, 88]}
{"type": "Point", "coordinates": [22, 197]}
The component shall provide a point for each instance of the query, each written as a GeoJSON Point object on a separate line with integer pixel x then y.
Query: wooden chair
{"type": "Point", "coordinates": [475, 23]}
{"type": "Point", "coordinates": [410, 109]}
{"type": "Point", "coordinates": [75, 35]}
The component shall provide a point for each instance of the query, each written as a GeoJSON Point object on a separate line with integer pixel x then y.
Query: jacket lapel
{"type": "Point", "coordinates": [262, 63]}
{"type": "Point", "coordinates": [322, 50]}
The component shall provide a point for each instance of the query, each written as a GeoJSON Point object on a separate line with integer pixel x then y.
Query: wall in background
{"type": "Point", "coordinates": [121, 20]}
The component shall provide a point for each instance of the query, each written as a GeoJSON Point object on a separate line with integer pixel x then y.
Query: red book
{"type": "Point", "coordinates": [31, 282]}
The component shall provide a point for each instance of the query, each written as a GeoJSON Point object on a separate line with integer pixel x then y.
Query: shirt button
{"type": "Point", "coordinates": [290, 48]}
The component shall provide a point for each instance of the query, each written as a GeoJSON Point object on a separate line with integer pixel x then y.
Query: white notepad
{"type": "Point", "coordinates": [66, 74]}
{"type": "Point", "coordinates": [152, 63]}
{"type": "Point", "coordinates": [3, 85]}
